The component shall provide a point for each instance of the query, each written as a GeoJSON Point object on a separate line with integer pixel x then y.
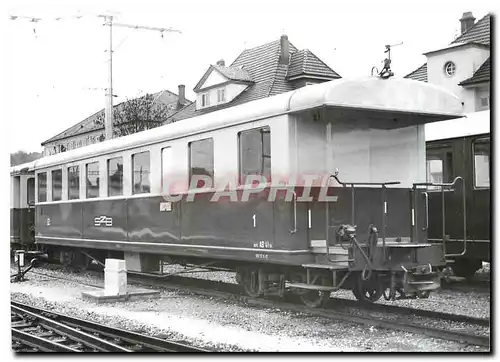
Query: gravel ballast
{"type": "Point", "coordinates": [218, 324]}
{"type": "Point", "coordinates": [470, 303]}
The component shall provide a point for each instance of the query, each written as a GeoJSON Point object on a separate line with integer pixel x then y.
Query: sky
{"type": "Point", "coordinates": [56, 70]}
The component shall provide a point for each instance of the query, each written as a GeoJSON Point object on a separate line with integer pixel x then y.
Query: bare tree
{"type": "Point", "coordinates": [139, 114]}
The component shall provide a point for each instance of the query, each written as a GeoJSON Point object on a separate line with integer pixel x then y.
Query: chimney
{"type": "Point", "coordinates": [182, 94]}
{"type": "Point", "coordinates": [221, 63]}
{"type": "Point", "coordinates": [467, 21]}
{"type": "Point", "coordinates": [285, 50]}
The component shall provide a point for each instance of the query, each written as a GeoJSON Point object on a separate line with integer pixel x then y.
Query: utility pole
{"type": "Point", "coordinates": [108, 110]}
{"type": "Point", "coordinates": [108, 21]}
{"type": "Point", "coordinates": [108, 124]}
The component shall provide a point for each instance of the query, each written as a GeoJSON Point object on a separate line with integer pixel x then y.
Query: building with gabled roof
{"type": "Point", "coordinates": [91, 129]}
{"type": "Point", "coordinates": [256, 73]}
{"type": "Point", "coordinates": [464, 65]}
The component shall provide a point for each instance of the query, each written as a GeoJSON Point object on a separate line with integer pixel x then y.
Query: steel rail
{"type": "Point", "coordinates": [214, 288]}
{"type": "Point", "coordinates": [235, 294]}
{"type": "Point", "coordinates": [41, 344]}
{"type": "Point", "coordinates": [332, 314]}
{"type": "Point", "coordinates": [71, 333]}
{"type": "Point", "coordinates": [345, 317]}
{"type": "Point", "coordinates": [152, 343]}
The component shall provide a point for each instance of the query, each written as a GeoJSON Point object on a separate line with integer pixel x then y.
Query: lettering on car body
{"type": "Point", "coordinates": [103, 221]}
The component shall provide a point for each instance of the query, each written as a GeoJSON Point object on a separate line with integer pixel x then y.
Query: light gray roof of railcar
{"type": "Point", "coordinates": [28, 166]}
{"type": "Point", "coordinates": [472, 124]}
{"type": "Point", "coordinates": [369, 93]}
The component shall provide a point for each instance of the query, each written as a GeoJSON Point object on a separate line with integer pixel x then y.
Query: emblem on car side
{"type": "Point", "coordinates": [103, 221]}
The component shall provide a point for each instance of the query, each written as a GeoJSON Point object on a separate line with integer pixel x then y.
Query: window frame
{"type": "Point", "coordinates": [240, 163]}
{"type": "Point", "coordinates": [108, 176]}
{"type": "Point", "coordinates": [38, 186]}
{"type": "Point", "coordinates": [190, 161]}
{"type": "Point", "coordinates": [163, 183]}
{"type": "Point", "coordinates": [60, 186]}
{"type": "Point", "coordinates": [205, 100]}
{"type": "Point", "coordinates": [481, 139]}
{"type": "Point", "coordinates": [69, 183]}
{"type": "Point", "coordinates": [28, 191]}
{"type": "Point", "coordinates": [133, 173]}
{"type": "Point", "coordinates": [451, 65]}
{"type": "Point", "coordinates": [98, 182]}
{"type": "Point", "coordinates": [221, 91]}
{"type": "Point", "coordinates": [441, 152]}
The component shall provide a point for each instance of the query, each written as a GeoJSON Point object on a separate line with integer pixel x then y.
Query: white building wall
{"type": "Point", "coordinates": [214, 78]}
{"type": "Point", "coordinates": [467, 60]}
{"type": "Point", "coordinates": [231, 91]}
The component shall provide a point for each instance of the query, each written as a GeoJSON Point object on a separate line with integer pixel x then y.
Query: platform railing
{"type": "Point", "coordinates": [443, 211]}
{"type": "Point", "coordinates": [353, 186]}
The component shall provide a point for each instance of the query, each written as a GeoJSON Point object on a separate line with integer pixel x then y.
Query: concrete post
{"type": "Point", "coordinates": [115, 277]}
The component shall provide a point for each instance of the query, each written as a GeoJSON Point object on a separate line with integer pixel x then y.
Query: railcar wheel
{"type": "Point", "coordinates": [423, 294]}
{"type": "Point", "coordinates": [74, 259]}
{"type": "Point", "coordinates": [466, 268]}
{"type": "Point", "coordinates": [314, 298]}
{"type": "Point", "coordinates": [311, 298]}
{"type": "Point", "coordinates": [250, 280]}
{"type": "Point", "coordinates": [368, 291]}
{"type": "Point", "coordinates": [81, 261]}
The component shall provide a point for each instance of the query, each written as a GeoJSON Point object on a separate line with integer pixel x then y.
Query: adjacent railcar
{"type": "Point", "coordinates": [22, 206]}
{"type": "Point", "coordinates": [252, 188]}
{"type": "Point", "coordinates": [461, 147]}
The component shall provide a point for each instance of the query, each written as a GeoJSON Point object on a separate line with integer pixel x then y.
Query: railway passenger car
{"type": "Point", "coordinates": [253, 188]}
{"type": "Point", "coordinates": [22, 206]}
{"type": "Point", "coordinates": [461, 147]}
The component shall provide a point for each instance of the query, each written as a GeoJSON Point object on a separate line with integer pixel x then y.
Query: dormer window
{"type": "Point", "coordinates": [205, 100]}
{"type": "Point", "coordinates": [221, 95]}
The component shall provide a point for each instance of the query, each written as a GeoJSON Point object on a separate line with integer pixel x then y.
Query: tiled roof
{"type": "Point", "coordinates": [419, 74]}
{"type": "Point", "coordinates": [268, 75]}
{"type": "Point", "coordinates": [234, 73]}
{"type": "Point", "coordinates": [478, 33]}
{"type": "Point", "coordinates": [96, 121]}
{"type": "Point", "coordinates": [481, 75]}
{"type": "Point", "coordinates": [304, 62]}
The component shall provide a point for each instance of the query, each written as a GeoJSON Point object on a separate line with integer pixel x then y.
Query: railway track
{"type": "Point", "coordinates": [38, 330]}
{"type": "Point", "coordinates": [461, 284]}
{"type": "Point", "coordinates": [388, 316]}
{"type": "Point", "coordinates": [406, 319]}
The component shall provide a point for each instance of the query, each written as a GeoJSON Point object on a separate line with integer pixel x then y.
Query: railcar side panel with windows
{"type": "Point", "coordinates": [22, 206]}
{"type": "Point", "coordinates": [461, 147]}
{"type": "Point", "coordinates": [178, 192]}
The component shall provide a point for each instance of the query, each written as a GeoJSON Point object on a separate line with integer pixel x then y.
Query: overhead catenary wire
{"type": "Point", "coordinates": [109, 21]}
